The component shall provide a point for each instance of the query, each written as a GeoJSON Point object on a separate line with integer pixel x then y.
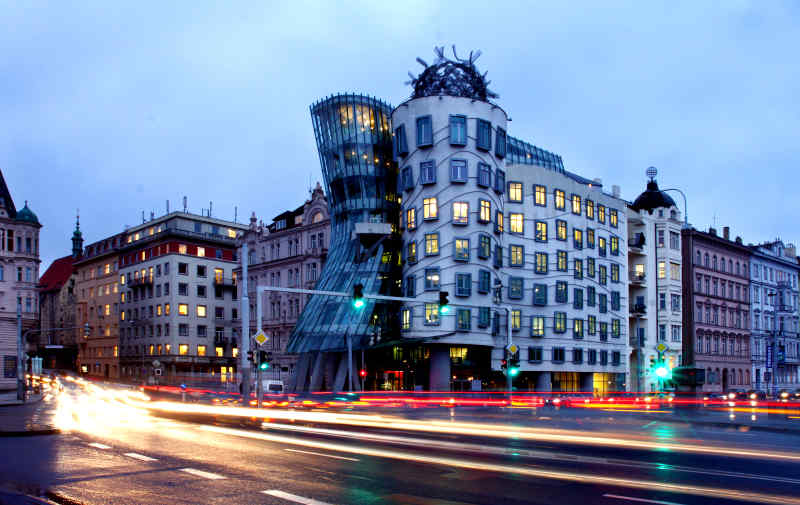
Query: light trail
{"type": "Point", "coordinates": [582, 478]}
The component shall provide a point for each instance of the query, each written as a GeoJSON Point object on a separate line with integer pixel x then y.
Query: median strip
{"type": "Point", "coordinates": [294, 498]}
{"type": "Point", "coordinates": [200, 473]}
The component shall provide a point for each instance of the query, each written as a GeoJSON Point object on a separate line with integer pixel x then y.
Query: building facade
{"type": "Point", "coordinates": [178, 299]}
{"type": "Point", "coordinates": [773, 301]}
{"type": "Point", "coordinates": [97, 290]}
{"type": "Point", "coordinates": [655, 289]}
{"type": "Point", "coordinates": [290, 252]}
{"type": "Point", "coordinates": [19, 275]}
{"type": "Point", "coordinates": [716, 308]}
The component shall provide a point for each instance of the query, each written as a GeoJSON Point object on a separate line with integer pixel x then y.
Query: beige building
{"type": "Point", "coordinates": [19, 273]}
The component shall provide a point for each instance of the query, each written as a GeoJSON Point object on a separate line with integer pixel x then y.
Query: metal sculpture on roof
{"type": "Point", "coordinates": [457, 77]}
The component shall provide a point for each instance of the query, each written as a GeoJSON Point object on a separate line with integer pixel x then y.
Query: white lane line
{"type": "Point", "coordinates": [321, 454]}
{"type": "Point", "coordinates": [641, 500]}
{"type": "Point", "coordinates": [98, 445]}
{"type": "Point", "coordinates": [140, 457]}
{"type": "Point", "coordinates": [294, 498]}
{"type": "Point", "coordinates": [200, 473]}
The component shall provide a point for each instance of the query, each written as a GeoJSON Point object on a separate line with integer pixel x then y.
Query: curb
{"type": "Point", "coordinates": [30, 433]}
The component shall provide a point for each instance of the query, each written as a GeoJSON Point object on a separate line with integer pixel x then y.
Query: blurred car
{"type": "Point", "coordinates": [736, 394]}
{"type": "Point", "coordinates": [756, 395]}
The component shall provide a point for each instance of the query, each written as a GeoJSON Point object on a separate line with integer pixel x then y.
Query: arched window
{"type": "Point", "coordinates": [722, 264]}
{"type": "Point", "coordinates": [714, 262]}
{"type": "Point", "coordinates": [317, 217]}
{"type": "Point", "coordinates": [699, 260]}
{"type": "Point", "coordinates": [673, 214]}
{"type": "Point", "coordinates": [700, 343]}
{"type": "Point", "coordinates": [706, 260]}
{"type": "Point", "coordinates": [737, 268]}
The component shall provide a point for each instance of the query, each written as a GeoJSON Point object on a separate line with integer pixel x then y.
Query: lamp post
{"type": "Point", "coordinates": [685, 210]}
{"type": "Point", "coordinates": [772, 366]}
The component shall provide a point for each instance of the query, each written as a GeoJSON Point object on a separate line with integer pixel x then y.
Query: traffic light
{"type": "Point", "coordinates": [263, 360]}
{"type": "Point", "coordinates": [358, 295]}
{"type": "Point", "coordinates": [362, 372]}
{"type": "Point", "coordinates": [444, 303]}
{"type": "Point", "coordinates": [503, 365]}
{"type": "Point", "coordinates": [513, 366]}
{"type": "Point", "coordinates": [250, 357]}
{"type": "Point", "coordinates": [662, 370]}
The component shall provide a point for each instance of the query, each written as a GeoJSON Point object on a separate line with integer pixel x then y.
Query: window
{"type": "Point", "coordinates": [183, 349]}
{"type": "Point", "coordinates": [576, 205]}
{"type": "Point", "coordinates": [561, 230]}
{"type": "Point", "coordinates": [674, 271]}
{"type": "Point", "coordinates": [458, 130]}
{"type": "Point", "coordinates": [515, 192]}
{"type": "Point", "coordinates": [201, 291]}
{"type": "Point", "coordinates": [411, 219]}
{"type": "Point", "coordinates": [484, 246]}
{"type": "Point", "coordinates": [484, 175]}
{"type": "Point", "coordinates": [558, 354]}
{"type": "Point", "coordinates": [166, 309]}
{"type": "Point", "coordinates": [431, 244]}
{"type": "Point", "coordinates": [615, 300]}
{"type": "Point", "coordinates": [577, 355]}
{"type": "Point", "coordinates": [614, 242]}
{"type": "Point", "coordinates": [560, 199]}
{"type": "Point", "coordinates": [541, 231]}
{"type": "Point", "coordinates": [676, 303]}
{"type": "Point", "coordinates": [500, 143]}
{"type": "Point", "coordinates": [537, 326]}
{"type": "Point", "coordinates": [516, 255]}
{"type": "Point", "coordinates": [201, 270]}
{"type": "Point", "coordinates": [578, 268]}
{"type": "Point", "coordinates": [602, 302]}
{"type": "Point", "coordinates": [484, 140]}
{"type": "Point", "coordinates": [485, 214]}
{"type": "Point", "coordinates": [202, 332]}
{"type": "Point", "coordinates": [662, 302]}
{"type": "Point", "coordinates": [411, 286]}
{"type": "Point", "coordinates": [662, 270]}
{"type": "Point", "coordinates": [614, 273]}
{"type": "Point", "coordinates": [458, 170]}
{"type": "Point", "coordinates": [460, 213]}
{"type": "Point", "coordinates": [604, 358]}
{"type": "Point", "coordinates": [463, 284]}
{"type": "Point", "coordinates": [183, 268]}
{"type": "Point", "coordinates": [498, 221]}
{"type": "Point", "coordinates": [424, 131]}
{"type": "Point", "coordinates": [540, 294]}
{"type": "Point", "coordinates": [516, 320]}
{"type": "Point", "coordinates": [499, 181]}
{"type": "Point", "coordinates": [561, 264]}
{"type": "Point", "coordinates": [541, 263]}
{"type": "Point", "coordinates": [589, 209]}
{"type": "Point", "coordinates": [461, 249]}
{"type": "Point", "coordinates": [591, 356]}
{"type": "Point", "coordinates": [615, 328]}
{"type": "Point", "coordinates": [427, 172]}
{"type": "Point", "coordinates": [183, 309]}
{"type": "Point", "coordinates": [577, 238]}
{"type": "Point", "coordinates": [590, 238]}
{"type": "Point", "coordinates": [431, 279]}
{"type": "Point", "coordinates": [201, 311]}
{"type": "Point", "coordinates": [577, 298]}
{"type": "Point", "coordinates": [430, 209]}
{"type": "Point", "coordinates": [612, 218]}
{"type": "Point", "coordinates": [561, 292]}
{"type": "Point", "coordinates": [484, 315]}
{"type": "Point", "coordinates": [400, 142]}
{"type": "Point", "coordinates": [534, 354]}
{"type": "Point", "coordinates": [615, 358]}
{"type": "Point", "coordinates": [516, 287]}
{"type": "Point", "coordinates": [405, 319]}
{"type": "Point", "coordinates": [591, 325]}
{"type": "Point", "coordinates": [484, 281]}
{"type": "Point", "coordinates": [498, 255]}
{"type": "Point", "coordinates": [463, 319]}
{"type": "Point", "coordinates": [540, 195]}
{"type": "Point", "coordinates": [431, 313]}
{"type": "Point", "coordinates": [577, 328]}
{"type": "Point", "coordinates": [601, 214]}
{"type": "Point", "coordinates": [676, 333]}
{"type": "Point", "coordinates": [407, 179]}
{"type": "Point", "coordinates": [517, 223]}
{"type": "Point", "coordinates": [602, 277]}
{"type": "Point", "coordinates": [674, 240]}
{"type": "Point", "coordinates": [411, 252]}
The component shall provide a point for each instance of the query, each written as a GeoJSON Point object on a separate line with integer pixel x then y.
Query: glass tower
{"type": "Point", "coordinates": [354, 141]}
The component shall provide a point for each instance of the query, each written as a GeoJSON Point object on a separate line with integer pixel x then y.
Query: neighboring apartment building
{"type": "Point", "coordinates": [19, 275]}
{"type": "Point", "coordinates": [97, 290]}
{"type": "Point", "coordinates": [57, 344]}
{"type": "Point", "coordinates": [716, 308]}
{"type": "Point", "coordinates": [773, 301]}
{"type": "Point", "coordinates": [289, 252]}
{"type": "Point", "coordinates": [655, 290]}
{"type": "Point", "coordinates": [178, 299]}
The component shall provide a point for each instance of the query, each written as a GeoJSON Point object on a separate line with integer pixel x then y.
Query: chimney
{"type": "Point", "coordinates": [726, 232]}
{"type": "Point", "coordinates": [598, 181]}
{"type": "Point", "coordinates": [790, 251]}
{"type": "Point", "coordinates": [712, 231]}
{"type": "Point", "coordinates": [738, 240]}
{"type": "Point", "coordinates": [615, 191]}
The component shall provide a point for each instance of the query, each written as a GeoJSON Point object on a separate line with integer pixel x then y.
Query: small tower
{"type": "Point", "coordinates": [77, 238]}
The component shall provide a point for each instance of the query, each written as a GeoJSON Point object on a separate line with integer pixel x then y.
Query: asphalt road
{"type": "Point", "coordinates": [114, 453]}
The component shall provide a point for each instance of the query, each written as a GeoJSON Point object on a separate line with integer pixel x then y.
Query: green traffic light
{"type": "Point", "coordinates": [662, 371]}
{"type": "Point", "coordinates": [513, 372]}
{"type": "Point", "coordinates": [264, 366]}
{"type": "Point", "coordinates": [444, 309]}
{"type": "Point", "coordinates": [358, 303]}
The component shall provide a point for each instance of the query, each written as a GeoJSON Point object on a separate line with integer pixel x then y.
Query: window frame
{"type": "Point", "coordinates": [424, 140]}
{"type": "Point", "coordinates": [460, 118]}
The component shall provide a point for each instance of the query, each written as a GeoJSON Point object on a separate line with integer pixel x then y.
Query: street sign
{"type": "Point", "coordinates": [261, 337]}
{"type": "Point", "coordinates": [512, 348]}
{"type": "Point", "coordinates": [770, 352]}
{"type": "Point", "coordinates": [661, 347]}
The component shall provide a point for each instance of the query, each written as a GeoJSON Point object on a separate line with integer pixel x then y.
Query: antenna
{"type": "Point", "coordinates": [235, 214]}
{"type": "Point", "coordinates": [152, 215]}
{"type": "Point", "coordinates": [651, 172]}
{"type": "Point", "coordinates": [184, 203]}
{"type": "Point", "coordinates": [143, 221]}
{"type": "Point", "coordinates": [210, 204]}
{"type": "Point", "coordinates": [167, 206]}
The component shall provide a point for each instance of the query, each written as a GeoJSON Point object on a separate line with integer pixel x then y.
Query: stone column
{"type": "Point", "coordinates": [544, 382]}
{"type": "Point", "coordinates": [440, 368]}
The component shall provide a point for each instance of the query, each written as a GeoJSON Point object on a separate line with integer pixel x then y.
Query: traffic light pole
{"type": "Point", "coordinates": [259, 393]}
{"type": "Point", "coordinates": [244, 365]}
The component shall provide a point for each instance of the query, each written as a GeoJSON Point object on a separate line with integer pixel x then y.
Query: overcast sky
{"type": "Point", "coordinates": [117, 108]}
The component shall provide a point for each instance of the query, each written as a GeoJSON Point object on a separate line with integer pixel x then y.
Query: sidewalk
{"type": "Point", "coordinates": [36, 417]}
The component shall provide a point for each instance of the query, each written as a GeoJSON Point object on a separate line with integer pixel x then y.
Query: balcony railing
{"type": "Point", "coordinates": [142, 281]}
{"type": "Point", "coordinates": [638, 309]}
{"type": "Point", "coordinates": [225, 282]}
{"type": "Point", "coordinates": [638, 278]}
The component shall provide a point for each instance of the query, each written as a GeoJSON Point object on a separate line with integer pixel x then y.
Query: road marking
{"type": "Point", "coordinates": [97, 445]}
{"type": "Point", "coordinates": [641, 500]}
{"type": "Point", "coordinates": [294, 498]}
{"type": "Point", "coordinates": [321, 454]}
{"type": "Point", "coordinates": [141, 457]}
{"type": "Point", "coordinates": [200, 473]}
{"type": "Point", "coordinates": [649, 424]}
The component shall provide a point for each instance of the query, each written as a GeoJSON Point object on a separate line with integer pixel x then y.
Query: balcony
{"type": "Point", "coordinates": [638, 278]}
{"type": "Point", "coordinates": [636, 341]}
{"type": "Point", "coordinates": [225, 282]}
{"type": "Point", "coordinates": [142, 281]}
{"type": "Point", "coordinates": [636, 244]}
{"type": "Point", "coordinates": [638, 310]}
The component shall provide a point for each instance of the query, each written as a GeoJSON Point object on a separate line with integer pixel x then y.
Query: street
{"type": "Point", "coordinates": [112, 451]}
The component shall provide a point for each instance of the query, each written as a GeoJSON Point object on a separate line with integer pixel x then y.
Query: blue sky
{"type": "Point", "coordinates": [115, 108]}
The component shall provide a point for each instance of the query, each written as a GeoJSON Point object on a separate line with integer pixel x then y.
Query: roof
{"type": "Point", "coordinates": [652, 199]}
{"type": "Point", "coordinates": [57, 274]}
{"type": "Point", "coordinates": [25, 214]}
{"type": "Point", "coordinates": [5, 198]}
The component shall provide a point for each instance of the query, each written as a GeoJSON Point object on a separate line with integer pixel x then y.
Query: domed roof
{"type": "Point", "coordinates": [457, 77]}
{"type": "Point", "coordinates": [652, 199]}
{"type": "Point", "coordinates": [25, 214]}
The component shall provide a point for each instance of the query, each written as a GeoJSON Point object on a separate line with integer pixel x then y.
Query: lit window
{"type": "Point", "coordinates": [560, 199]}
{"type": "Point", "coordinates": [411, 254]}
{"type": "Point", "coordinates": [589, 209]}
{"type": "Point", "coordinates": [235, 352]}
{"type": "Point", "coordinates": [107, 310]}
{"type": "Point", "coordinates": [577, 238]}
{"type": "Point", "coordinates": [107, 269]}
{"type": "Point", "coordinates": [405, 319]}
{"type": "Point", "coordinates": [458, 130]}
{"type": "Point", "coordinates": [578, 274]}
{"type": "Point", "coordinates": [537, 326]}
{"type": "Point", "coordinates": [675, 271]}
{"type": "Point", "coordinates": [612, 217]}
{"type": "Point", "coordinates": [430, 209]}
{"type": "Point", "coordinates": [590, 238]}
{"type": "Point", "coordinates": [183, 349]}
{"type": "Point", "coordinates": [561, 230]}
{"type": "Point", "coordinates": [201, 350]}
{"type": "Point", "coordinates": [516, 319]}
{"type": "Point", "coordinates": [485, 211]}
{"type": "Point", "coordinates": [463, 319]}
{"type": "Point", "coordinates": [431, 244]}
{"type": "Point", "coordinates": [152, 349]}
{"type": "Point", "coordinates": [201, 251]}
{"type": "Point", "coordinates": [540, 193]}
{"type": "Point", "coordinates": [431, 279]}
{"type": "Point", "coordinates": [122, 279]}
{"type": "Point", "coordinates": [461, 252]}
{"type": "Point", "coordinates": [182, 249]}
{"type": "Point", "coordinates": [541, 231]}
{"type": "Point", "coordinates": [601, 214]}
{"type": "Point", "coordinates": [116, 351]}
{"type": "Point", "coordinates": [432, 313]}
{"type": "Point", "coordinates": [662, 270]}
{"type": "Point", "coordinates": [515, 192]}
{"type": "Point", "coordinates": [158, 310]}
{"type": "Point", "coordinates": [577, 328]}
{"type": "Point", "coordinates": [166, 309]}
{"type": "Point", "coordinates": [460, 213]}
{"type": "Point", "coordinates": [576, 205]}
{"type": "Point", "coordinates": [517, 223]}
{"type": "Point", "coordinates": [219, 352]}
{"type": "Point", "coordinates": [541, 263]}
{"type": "Point", "coordinates": [560, 322]}
{"type": "Point", "coordinates": [517, 255]}
{"type": "Point", "coordinates": [231, 233]}
{"type": "Point", "coordinates": [183, 309]}
{"type": "Point", "coordinates": [498, 223]}
{"type": "Point", "coordinates": [411, 218]}
{"type": "Point", "coordinates": [614, 245]}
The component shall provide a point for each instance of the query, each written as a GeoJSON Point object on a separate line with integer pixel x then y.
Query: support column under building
{"type": "Point", "coordinates": [587, 382]}
{"type": "Point", "coordinates": [544, 382]}
{"type": "Point", "coordinates": [317, 371]}
{"type": "Point", "coordinates": [440, 368]}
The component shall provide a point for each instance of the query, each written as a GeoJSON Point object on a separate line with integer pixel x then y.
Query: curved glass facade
{"type": "Point", "coordinates": [354, 141]}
